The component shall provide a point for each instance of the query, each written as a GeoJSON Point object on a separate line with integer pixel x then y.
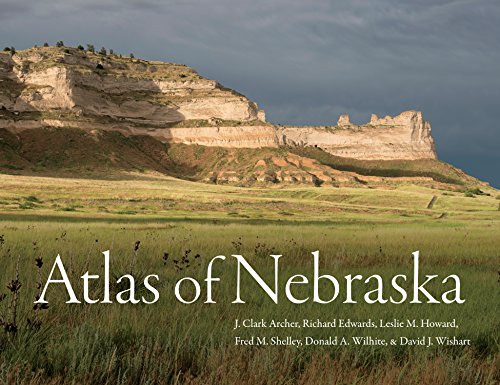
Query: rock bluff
{"type": "Point", "coordinates": [406, 136]}
{"type": "Point", "coordinates": [68, 87]}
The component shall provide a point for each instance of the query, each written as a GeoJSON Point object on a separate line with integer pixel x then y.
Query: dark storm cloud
{"type": "Point", "coordinates": [306, 62]}
{"type": "Point", "coordinates": [13, 9]}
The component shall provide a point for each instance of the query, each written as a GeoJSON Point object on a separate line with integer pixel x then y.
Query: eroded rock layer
{"type": "Point", "coordinates": [68, 87]}
{"type": "Point", "coordinates": [72, 88]}
{"type": "Point", "coordinates": [406, 136]}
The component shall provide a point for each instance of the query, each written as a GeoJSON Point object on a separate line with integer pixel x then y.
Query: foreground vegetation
{"type": "Point", "coordinates": [182, 225]}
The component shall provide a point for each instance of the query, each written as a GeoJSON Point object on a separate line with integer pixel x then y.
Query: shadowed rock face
{"type": "Point", "coordinates": [66, 87]}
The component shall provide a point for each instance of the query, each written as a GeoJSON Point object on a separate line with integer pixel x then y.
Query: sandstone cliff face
{"type": "Point", "coordinates": [67, 87]}
{"type": "Point", "coordinates": [88, 83]}
{"type": "Point", "coordinates": [51, 87]}
{"type": "Point", "coordinates": [406, 136]}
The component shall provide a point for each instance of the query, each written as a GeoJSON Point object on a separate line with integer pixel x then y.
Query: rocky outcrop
{"type": "Point", "coordinates": [77, 81]}
{"type": "Point", "coordinates": [67, 87]}
{"type": "Point", "coordinates": [344, 121]}
{"type": "Point", "coordinates": [72, 88]}
{"type": "Point", "coordinates": [405, 136]}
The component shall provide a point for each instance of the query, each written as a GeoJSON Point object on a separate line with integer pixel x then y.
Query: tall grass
{"type": "Point", "coordinates": [172, 343]}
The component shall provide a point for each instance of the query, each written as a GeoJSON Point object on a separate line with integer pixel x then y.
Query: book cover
{"type": "Point", "coordinates": [267, 192]}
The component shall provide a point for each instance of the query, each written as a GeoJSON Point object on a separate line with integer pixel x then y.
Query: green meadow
{"type": "Point", "coordinates": [173, 228]}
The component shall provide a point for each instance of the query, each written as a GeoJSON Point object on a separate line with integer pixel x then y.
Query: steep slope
{"type": "Point", "coordinates": [73, 152]}
{"type": "Point", "coordinates": [406, 136]}
{"type": "Point", "coordinates": [85, 83]}
{"type": "Point", "coordinates": [72, 112]}
{"type": "Point", "coordinates": [68, 87]}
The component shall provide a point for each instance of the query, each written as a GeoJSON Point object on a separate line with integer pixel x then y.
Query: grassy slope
{"type": "Point", "coordinates": [105, 154]}
{"type": "Point", "coordinates": [159, 197]}
{"type": "Point", "coordinates": [434, 169]}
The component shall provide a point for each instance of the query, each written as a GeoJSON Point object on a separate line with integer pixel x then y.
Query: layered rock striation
{"type": "Point", "coordinates": [72, 88]}
{"type": "Point", "coordinates": [405, 136]}
{"type": "Point", "coordinates": [67, 87]}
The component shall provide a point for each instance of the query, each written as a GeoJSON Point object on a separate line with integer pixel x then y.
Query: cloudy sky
{"type": "Point", "coordinates": [306, 62]}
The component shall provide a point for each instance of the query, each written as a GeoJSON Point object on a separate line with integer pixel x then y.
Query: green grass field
{"type": "Point", "coordinates": [357, 231]}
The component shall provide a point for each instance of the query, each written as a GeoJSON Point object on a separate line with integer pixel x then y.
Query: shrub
{"type": "Point", "coordinates": [103, 51]}
{"type": "Point", "coordinates": [99, 66]}
{"type": "Point", "coordinates": [45, 44]}
{"type": "Point", "coordinates": [12, 50]}
{"type": "Point", "coordinates": [132, 56]}
{"type": "Point", "coordinates": [27, 206]}
{"type": "Point", "coordinates": [90, 48]}
{"type": "Point", "coordinates": [475, 191]}
{"type": "Point", "coordinates": [60, 44]}
{"type": "Point", "coordinates": [32, 198]}
{"type": "Point", "coordinates": [80, 47]}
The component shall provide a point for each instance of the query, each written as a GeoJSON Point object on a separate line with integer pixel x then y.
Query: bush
{"type": "Point", "coordinates": [32, 198]}
{"type": "Point", "coordinates": [80, 47]}
{"type": "Point", "coordinates": [469, 194]}
{"type": "Point", "coordinates": [60, 44]}
{"type": "Point", "coordinates": [103, 51]}
{"type": "Point", "coordinates": [45, 44]}
{"type": "Point", "coordinates": [475, 191]}
{"type": "Point", "coordinates": [99, 66]}
{"type": "Point", "coordinates": [90, 48]}
{"type": "Point", "coordinates": [132, 56]}
{"type": "Point", "coordinates": [6, 49]}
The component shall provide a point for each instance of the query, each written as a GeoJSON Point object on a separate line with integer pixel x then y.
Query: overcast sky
{"type": "Point", "coordinates": [306, 62]}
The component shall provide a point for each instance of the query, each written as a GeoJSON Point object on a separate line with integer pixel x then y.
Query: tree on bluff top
{"type": "Point", "coordinates": [12, 50]}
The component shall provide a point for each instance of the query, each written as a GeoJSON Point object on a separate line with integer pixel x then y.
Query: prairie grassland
{"type": "Point", "coordinates": [182, 225]}
{"type": "Point", "coordinates": [164, 198]}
